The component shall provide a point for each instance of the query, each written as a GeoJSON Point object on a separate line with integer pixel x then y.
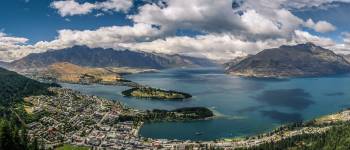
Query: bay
{"type": "Point", "coordinates": [243, 106]}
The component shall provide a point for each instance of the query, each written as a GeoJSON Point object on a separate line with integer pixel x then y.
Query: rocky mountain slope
{"type": "Point", "coordinates": [291, 61]}
{"type": "Point", "coordinates": [99, 57]}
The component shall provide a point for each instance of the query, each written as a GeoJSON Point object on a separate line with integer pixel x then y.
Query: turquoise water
{"type": "Point", "coordinates": [244, 106]}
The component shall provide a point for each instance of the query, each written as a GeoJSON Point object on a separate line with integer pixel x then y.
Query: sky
{"type": "Point", "coordinates": [214, 29]}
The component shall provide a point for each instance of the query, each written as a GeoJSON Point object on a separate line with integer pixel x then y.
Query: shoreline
{"type": "Point", "coordinates": [317, 126]}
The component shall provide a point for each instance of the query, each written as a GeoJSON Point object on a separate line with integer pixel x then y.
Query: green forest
{"type": "Point", "coordinates": [337, 138]}
{"type": "Point", "coordinates": [13, 88]}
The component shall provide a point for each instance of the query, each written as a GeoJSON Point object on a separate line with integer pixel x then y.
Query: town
{"type": "Point", "coordinates": [70, 117]}
{"type": "Point", "coordinates": [74, 118]}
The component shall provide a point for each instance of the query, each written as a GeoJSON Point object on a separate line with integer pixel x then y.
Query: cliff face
{"type": "Point", "coordinates": [291, 61]}
{"type": "Point", "coordinates": [99, 57]}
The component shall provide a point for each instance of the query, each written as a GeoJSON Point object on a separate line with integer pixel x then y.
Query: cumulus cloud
{"type": "Point", "coordinates": [320, 26]}
{"type": "Point", "coordinates": [254, 19]}
{"type": "Point", "coordinates": [9, 40]}
{"type": "Point", "coordinates": [202, 15]}
{"type": "Point", "coordinates": [344, 47]}
{"type": "Point", "coordinates": [212, 46]}
{"type": "Point", "coordinates": [303, 37]}
{"type": "Point", "coordinates": [71, 7]}
{"type": "Point", "coordinates": [229, 29]}
{"type": "Point", "coordinates": [346, 36]}
{"type": "Point", "coordinates": [9, 46]}
{"type": "Point", "coordinates": [250, 18]}
{"type": "Point", "coordinates": [106, 37]}
{"type": "Point", "coordinates": [299, 4]}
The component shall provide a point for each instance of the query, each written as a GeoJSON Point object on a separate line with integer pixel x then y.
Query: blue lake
{"type": "Point", "coordinates": [243, 106]}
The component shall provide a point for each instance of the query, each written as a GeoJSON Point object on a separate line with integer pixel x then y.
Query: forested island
{"type": "Point", "coordinates": [153, 93]}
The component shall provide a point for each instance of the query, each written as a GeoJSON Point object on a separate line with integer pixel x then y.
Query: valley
{"type": "Point", "coordinates": [174, 75]}
{"type": "Point", "coordinates": [120, 121]}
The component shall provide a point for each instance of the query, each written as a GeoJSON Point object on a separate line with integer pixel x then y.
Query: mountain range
{"type": "Point", "coordinates": [99, 57]}
{"type": "Point", "coordinates": [291, 61]}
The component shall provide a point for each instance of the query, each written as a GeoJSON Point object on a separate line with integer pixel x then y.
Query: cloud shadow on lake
{"type": "Point", "coordinates": [292, 98]}
{"type": "Point", "coordinates": [282, 116]}
{"type": "Point", "coordinates": [335, 94]}
{"type": "Point", "coordinates": [250, 109]}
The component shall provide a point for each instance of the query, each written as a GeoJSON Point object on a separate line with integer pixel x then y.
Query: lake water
{"type": "Point", "coordinates": [244, 106]}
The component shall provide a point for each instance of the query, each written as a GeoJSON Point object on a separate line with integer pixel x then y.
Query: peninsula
{"type": "Point", "coordinates": [75, 74]}
{"type": "Point", "coordinates": [153, 93]}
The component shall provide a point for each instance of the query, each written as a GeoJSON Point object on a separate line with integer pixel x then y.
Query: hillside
{"type": "Point", "coordinates": [99, 57]}
{"type": "Point", "coordinates": [70, 73]}
{"type": "Point", "coordinates": [14, 87]}
{"type": "Point", "coordinates": [291, 61]}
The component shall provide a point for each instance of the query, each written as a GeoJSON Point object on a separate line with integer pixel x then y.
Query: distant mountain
{"type": "Point", "coordinates": [99, 57]}
{"type": "Point", "coordinates": [234, 61]}
{"type": "Point", "coordinates": [291, 61]}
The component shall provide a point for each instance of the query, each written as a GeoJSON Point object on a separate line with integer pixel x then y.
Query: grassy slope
{"type": "Point", "coordinates": [71, 147]}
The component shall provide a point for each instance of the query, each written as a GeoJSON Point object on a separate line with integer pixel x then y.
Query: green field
{"type": "Point", "coordinates": [72, 147]}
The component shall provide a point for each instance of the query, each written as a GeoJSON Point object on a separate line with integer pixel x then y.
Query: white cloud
{"type": "Point", "coordinates": [213, 46]}
{"type": "Point", "coordinates": [202, 15]}
{"type": "Point", "coordinates": [253, 19]}
{"type": "Point", "coordinates": [299, 4]}
{"type": "Point", "coordinates": [9, 46]}
{"type": "Point", "coordinates": [344, 47]}
{"type": "Point", "coordinates": [71, 7]}
{"type": "Point", "coordinates": [9, 40]}
{"type": "Point", "coordinates": [303, 37]}
{"type": "Point", "coordinates": [106, 37]}
{"type": "Point", "coordinates": [253, 25]}
{"type": "Point", "coordinates": [320, 26]}
{"type": "Point", "coordinates": [346, 38]}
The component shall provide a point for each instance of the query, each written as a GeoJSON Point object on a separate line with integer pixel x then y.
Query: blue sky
{"type": "Point", "coordinates": [37, 21]}
{"type": "Point", "coordinates": [337, 16]}
{"type": "Point", "coordinates": [194, 27]}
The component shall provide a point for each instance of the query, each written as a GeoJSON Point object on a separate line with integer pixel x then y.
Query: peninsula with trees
{"type": "Point", "coordinates": [154, 93]}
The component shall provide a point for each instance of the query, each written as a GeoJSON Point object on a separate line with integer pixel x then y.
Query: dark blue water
{"type": "Point", "coordinates": [244, 106]}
